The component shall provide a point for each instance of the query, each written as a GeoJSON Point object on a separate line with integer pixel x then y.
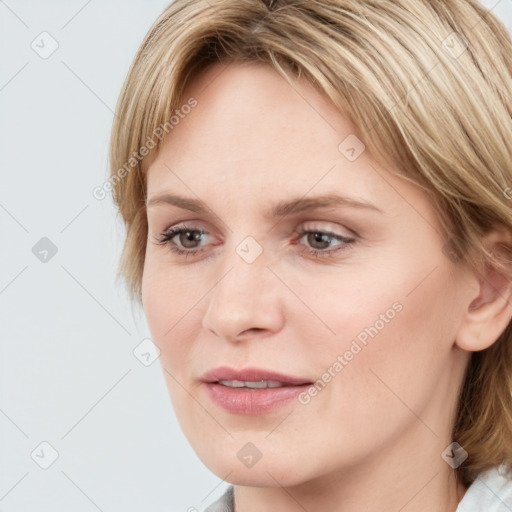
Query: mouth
{"type": "Point", "coordinates": [252, 390]}
{"type": "Point", "coordinates": [260, 384]}
{"type": "Point", "coordinates": [252, 378]}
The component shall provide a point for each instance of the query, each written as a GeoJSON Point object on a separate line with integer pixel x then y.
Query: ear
{"type": "Point", "coordinates": [489, 310]}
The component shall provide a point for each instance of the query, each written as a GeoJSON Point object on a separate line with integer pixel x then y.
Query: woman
{"type": "Point", "coordinates": [317, 197]}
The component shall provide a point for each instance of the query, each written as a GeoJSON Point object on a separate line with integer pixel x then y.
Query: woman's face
{"type": "Point", "coordinates": [360, 299]}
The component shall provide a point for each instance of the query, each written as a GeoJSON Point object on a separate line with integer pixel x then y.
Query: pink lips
{"type": "Point", "coordinates": [250, 374]}
{"type": "Point", "coordinates": [244, 400]}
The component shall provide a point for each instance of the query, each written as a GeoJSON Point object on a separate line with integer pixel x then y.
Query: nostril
{"type": "Point", "coordinates": [252, 330]}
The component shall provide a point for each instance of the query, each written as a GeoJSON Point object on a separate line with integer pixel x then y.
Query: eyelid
{"type": "Point", "coordinates": [310, 225]}
{"type": "Point", "coordinates": [175, 229]}
{"type": "Point", "coordinates": [192, 225]}
{"type": "Point", "coordinates": [333, 228]}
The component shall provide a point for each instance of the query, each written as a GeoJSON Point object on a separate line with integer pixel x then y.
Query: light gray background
{"type": "Point", "coordinates": [68, 373]}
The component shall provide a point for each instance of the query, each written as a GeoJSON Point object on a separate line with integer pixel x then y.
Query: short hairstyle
{"type": "Point", "coordinates": [427, 86]}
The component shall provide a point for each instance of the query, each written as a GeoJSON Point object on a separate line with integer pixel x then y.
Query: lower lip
{"type": "Point", "coordinates": [252, 401]}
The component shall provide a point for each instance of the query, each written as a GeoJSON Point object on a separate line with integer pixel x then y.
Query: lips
{"type": "Point", "coordinates": [251, 390]}
{"type": "Point", "coordinates": [253, 374]}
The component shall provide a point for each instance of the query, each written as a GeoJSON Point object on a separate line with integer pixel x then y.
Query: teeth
{"type": "Point", "coordinates": [249, 384]}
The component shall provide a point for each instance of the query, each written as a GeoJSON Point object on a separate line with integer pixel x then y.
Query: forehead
{"type": "Point", "coordinates": [255, 111]}
{"type": "Point", "coordinates": [248, 119]}
{"type": "Point", "coordinates": [254, 136]}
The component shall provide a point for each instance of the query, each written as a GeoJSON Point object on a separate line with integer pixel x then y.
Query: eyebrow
{"type": "Point", "coordinates": [279, 209]}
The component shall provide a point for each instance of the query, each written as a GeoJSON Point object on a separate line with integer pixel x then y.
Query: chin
{"type": "Point", "coordinates": [270, 471]}
{"type": "Point", "coordinates": [263, 476]}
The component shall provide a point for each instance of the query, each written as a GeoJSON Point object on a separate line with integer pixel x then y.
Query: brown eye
{"type": "Point", "coordinates": [188, 238]}
{"type": "Point", "coordinates": [319, 240]}
{"type": "Point", "coordinates": [319, 244]}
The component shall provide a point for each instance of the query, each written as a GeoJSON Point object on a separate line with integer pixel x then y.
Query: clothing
{"type": "Point", "coordinates": [225, 503]}
{"type": "Point", "coordinates": [490, 492]}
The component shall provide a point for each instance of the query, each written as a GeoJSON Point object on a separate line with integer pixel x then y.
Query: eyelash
{"type": "Point", "coordinates": [170, 233]}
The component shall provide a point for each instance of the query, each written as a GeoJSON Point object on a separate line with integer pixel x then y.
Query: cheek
{"type": "Point", "coordinates": [395, 349]}
{"type": "Point", "coordinates": [163, 302]}
{"type": "Point", "coordinates": [173, 309]}
{"type": "Point", "coordinates": [396, 322]}
{"type": "Point", "coordinates": [155, 299]}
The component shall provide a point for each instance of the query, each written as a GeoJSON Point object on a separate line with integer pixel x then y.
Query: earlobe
{"type": "Point", "coordinates": [489, 313]}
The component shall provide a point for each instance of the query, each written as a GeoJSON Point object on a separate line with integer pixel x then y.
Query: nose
{"type": "Point", "coordinates": [246, 301]}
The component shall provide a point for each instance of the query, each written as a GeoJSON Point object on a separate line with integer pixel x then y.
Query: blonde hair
{"type": "Point", "coordinates": [428, 86]}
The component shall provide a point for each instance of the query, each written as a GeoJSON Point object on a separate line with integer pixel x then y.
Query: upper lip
{"type": "Point", "coordinates": [251, 374]}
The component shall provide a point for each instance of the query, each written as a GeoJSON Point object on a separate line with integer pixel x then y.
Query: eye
{"type": "Point", "coordinates": [187, 239]}
{"type": "Point", "coordinates": [319, 241]}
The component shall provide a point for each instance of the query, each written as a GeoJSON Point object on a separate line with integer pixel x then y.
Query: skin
{"type": "Point", "coordinates": [372, 438]}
